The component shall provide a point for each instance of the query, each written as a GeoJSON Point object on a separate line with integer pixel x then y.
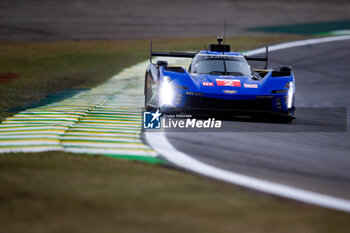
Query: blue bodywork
{"type": "Point", "coordinates": [177, 89]}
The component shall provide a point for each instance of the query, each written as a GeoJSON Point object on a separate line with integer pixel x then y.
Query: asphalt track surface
{"type": "Point", "coordinates": [42, 20]}
{"type": "Point", "coordinates": [312, 153]}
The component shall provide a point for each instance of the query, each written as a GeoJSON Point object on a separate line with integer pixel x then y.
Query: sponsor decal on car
{"type": "Point", "coordinates": [250, 85]}
{"type": "Point", "coordinates": [226, 76]}
{"type": "Point", "coordinates": [230, 91]}
{"type": "Point", "coordinates": [228, 83]}
{"type": "Point", "coordinates": [208, 56]}
{"type": "Point", "coordinates": [211, 84]}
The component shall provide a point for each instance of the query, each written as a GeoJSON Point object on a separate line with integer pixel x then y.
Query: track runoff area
{"type": "Point", "coordinates": [108, 120]}
{"type": "Point", "coordinates": [105, 120]}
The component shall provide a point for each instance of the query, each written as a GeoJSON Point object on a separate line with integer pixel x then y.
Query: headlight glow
{"type": "Point", "coordinates": [290, 94]}
{"type": "Point", "coordinates": [166, 93]}
{"type": "Point", "coordinates": [167, 79]}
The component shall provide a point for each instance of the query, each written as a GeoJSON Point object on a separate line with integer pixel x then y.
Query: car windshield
{"type": "Point", "coordinates": [220, 65]}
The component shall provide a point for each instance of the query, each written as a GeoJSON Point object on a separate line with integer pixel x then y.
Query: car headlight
{"type": "Point", "coordinates": [167, 79]}
{"type": "Point", "coordinates": [290, 95]}
{"type": "Point", "coordinates": [166, 93]}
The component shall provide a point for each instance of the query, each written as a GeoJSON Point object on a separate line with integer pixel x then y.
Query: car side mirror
{"type": "Point", "coordinates": [162, 63]}
{"type": "Point", "coordinates": [286, 70]}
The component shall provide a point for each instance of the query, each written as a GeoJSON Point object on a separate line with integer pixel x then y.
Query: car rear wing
{"type": "Point", "coordinates": [169, 54]}
{"type": "Point", "coordinates": [265, 59]}
{"type": "Point", "coordinates": [191, 55]}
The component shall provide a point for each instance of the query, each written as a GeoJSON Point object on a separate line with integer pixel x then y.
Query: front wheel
{"type": "Point", "coordinates": [147, 107]}
{"type": "Point", "coordinates": [147, 93]}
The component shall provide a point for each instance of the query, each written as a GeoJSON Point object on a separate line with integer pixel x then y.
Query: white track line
{"type": "Point", "coordinates": [293, 44]}
{"type": "Point", "coordinates": [161, 145]}
{"type": "Point", "coordinates": [159, 142]}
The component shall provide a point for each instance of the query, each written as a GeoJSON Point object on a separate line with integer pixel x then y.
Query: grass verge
{"type": "Point", "coordinates": [57, 192]}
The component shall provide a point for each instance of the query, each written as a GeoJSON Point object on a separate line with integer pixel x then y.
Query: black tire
{"type": "Point", "coordinates": [147, 107]}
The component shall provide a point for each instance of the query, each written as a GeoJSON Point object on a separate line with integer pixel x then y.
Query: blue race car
{"type": "Point", "coordinates": [220, 81]}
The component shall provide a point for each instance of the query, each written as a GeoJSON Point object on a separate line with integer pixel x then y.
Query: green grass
{"type": "Point", "coordinates": [315, 28]}
{"type": "Point", "coordinates": [57, 192]}
{"type": "Point", "coordinates": [49, 68]}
